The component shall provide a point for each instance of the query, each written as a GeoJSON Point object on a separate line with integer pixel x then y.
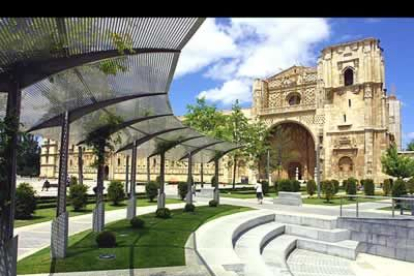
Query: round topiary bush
{"type": "Point", "coordinates": [311, 187]}
{"type": "Point", "coordinates": [328, 189]}
{"type": "Point", "coordinates": [336, 186]}
{"type": "Point", "coordinates": [213, 203]}
{"type": "Point", "coordinates": [137, 223]}
{"type": "Point", "coordinates": [284, 185]}
{"type": "Point", "coordinates": [151, 189]}
{"type": "Point", "coordinates": [182, 189]}
{"type": "Point", "coordinates": [387, 187]}
{"type": "Point", "coordinates": [369, 187]}
{"type": "Point", "coordinates": [116, 192]}
{"type": "Point", "coordinates": [189, 207]}
{"type": "Point", "coordinates": [295, 185]}
{"type": "Point", "coordinates": [25, 201]}
{"type": "Point", "coordinates": [265, 187]}
{"type": "Point", "coordinates": [106, 239]}
{"type": "Point", "coordinates": [163, 213]}
{"type": "Point", "coordinates": [78, 196]}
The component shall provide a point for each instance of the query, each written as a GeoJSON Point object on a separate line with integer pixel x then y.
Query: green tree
{"type": "Point", "coordinates": [116, 192]}
{"type": "Point", "coordinates": [311, 187]}
{"type": "Point", "coordinates": [410, 146]}
{"type": "Point", "coordinates": [25, 201]}
{"type": "Point", "coordinates": [328, 189]}
{"type": "Point", "coordinates": [397, 165]}
{"type": "Point", "coordinates": [410, 185]}
{"type": "Point", "coordinates": [28, 156]}
{"type": "Point", "coordinates": [78, 196]}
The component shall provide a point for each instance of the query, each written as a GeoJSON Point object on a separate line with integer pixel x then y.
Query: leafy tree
{"type": "Point", "coordinates": [116, 192]}
{"type": "Point", "coordinates": [351, 187]}
{"type": "Point", "coordinates": [410, 185]}
{"type": "Point", "coordinates": [78, 196]}
{"type": "Point", "coordinates": [410, 146]}
{"type": "Point", "coordinates": [311, 187]}
{"type": "Point", "coordinates": [369, 187]}
{"type": "Point", "coordinates": [397, 165]}
{"type": "Point", "coordinates": [151, 189]}
{"type": "Point", "coordinates": [328, 189]}
{"type": "Point", "coordinates": [387, 187]}
{"type": "Point", "coordinates": [336, 186]}
{"type": "Point", "coordinates": [25, 201]}
{"type": "Point", "coordinates": [399, 189]}
{"type": "Point", "coordinates": [28, 155]}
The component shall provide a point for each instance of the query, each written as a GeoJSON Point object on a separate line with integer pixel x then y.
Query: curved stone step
{"type": "Point", "coordinates": [316, 221]}
{"type": "Point", "coordinates": [276, 253]}
{"type": "Point", "coordinates": [328, 235]}
{"type": "Point", "coordinates": [250, 245]}
{"type": "Point", "coordinates": [346, 249]}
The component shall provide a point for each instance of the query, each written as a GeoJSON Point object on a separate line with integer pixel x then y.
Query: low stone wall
{"type": "Point", "coordinates": [392, 238]}
{"type": "Point", "coordinates": [288, 198]}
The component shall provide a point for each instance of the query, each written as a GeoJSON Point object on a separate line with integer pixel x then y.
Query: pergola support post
{"type": "Point", "coordinates": [99, 211]}
{"type": "Point", "coordinates": [8, 242]}
{"type": "Point", "coordinates": [161, 195]}
{"type": "Point", "coordinates": [59, 237]}
{"type": "Point", "coordinates": [127, 175]}
{"type": "Point", "coordinates": [132, 202]}
{"type": "Point", "coordinates": [202, 174]}
{"type": "Point", "coordinates": [148, 170]}
{"type": "Point", "coordinates": [189, 197]}
{"type": "Point", "coordinates": [216, 184]}
{"type": "Point", "coordinates": [80, 165]}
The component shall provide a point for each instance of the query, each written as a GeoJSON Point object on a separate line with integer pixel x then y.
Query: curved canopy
{"type": "Point", "coordinates": [98, 69]}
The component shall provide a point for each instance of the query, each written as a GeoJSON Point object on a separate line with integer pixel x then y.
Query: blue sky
{"type": "Point", "coordinates": [225, 55]}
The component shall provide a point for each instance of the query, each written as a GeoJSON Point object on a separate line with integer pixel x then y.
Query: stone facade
{"type": "Point", "coordinates": [338, 112]}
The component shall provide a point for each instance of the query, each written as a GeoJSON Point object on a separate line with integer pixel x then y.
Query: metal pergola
{"type": "Point", "coordinates": [59, 77]}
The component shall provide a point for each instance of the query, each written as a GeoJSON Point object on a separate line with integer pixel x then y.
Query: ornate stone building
{"type": "Point", "coordinates": [338, 116]}
{"type": "Point", "coordinates": [338, 113]}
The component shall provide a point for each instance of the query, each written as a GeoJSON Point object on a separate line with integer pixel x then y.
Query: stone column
{"type": "Point", "coordinates": [216, 185]}
{"type": "Point", "coordinates": [161, 195]}
{"type": "Point", "coordinates": [127, 175]}
{"type": "Point", "coordinates": [59, 237]}
{"type": "Point", "coordinates": [132, 202]}
{"type": "Point", "coordinates": [189, 197]}
{"type": "Point", "coordinates": [99, 211]}
{"type": "Point", "coordinates": [8, 242]}
{"type": "Point", "coordinates": [318, 171]}
{"type": "Point", "coordinates": [80, 165]}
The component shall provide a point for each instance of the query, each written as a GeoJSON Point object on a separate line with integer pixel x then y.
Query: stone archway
{"type": "Point", "coordinates": [293, 146]}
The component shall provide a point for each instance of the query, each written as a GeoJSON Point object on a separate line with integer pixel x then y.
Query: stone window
{"type": "Point", "coordinates": [294, 99]}
{"type": "Point", "coordinates": [345, 164]}
{"type": "Point", "coordinates": [349, 77]}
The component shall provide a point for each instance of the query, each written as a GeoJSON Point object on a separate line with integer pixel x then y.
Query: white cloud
{"type": "Point", "coordinates": [230, 91]}
{"type": "Point", "coordinates": [249, 48]}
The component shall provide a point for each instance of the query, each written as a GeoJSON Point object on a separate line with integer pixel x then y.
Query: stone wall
{"type": "Point", "coordinates": [392, 238]}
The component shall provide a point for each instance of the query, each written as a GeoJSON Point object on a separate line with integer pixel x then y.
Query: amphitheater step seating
{"type": "Point", "coordinates": [259, 242]}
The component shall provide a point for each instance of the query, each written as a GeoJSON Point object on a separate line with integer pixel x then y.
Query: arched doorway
{"type": "Point", "coordinates": [292, 146]}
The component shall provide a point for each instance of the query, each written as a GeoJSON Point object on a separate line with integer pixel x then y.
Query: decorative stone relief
{"type": "Point", "coordinates": [309, 96]}
{"type": "Point", "coordinates": [308, 119]}
{"type": "Point", "coordinates": [319, 119]}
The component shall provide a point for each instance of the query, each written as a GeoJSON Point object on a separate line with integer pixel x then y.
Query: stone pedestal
{"type": "Point", "coordinates": [8, 257]}
{"type": "Point", "coordinates": [98, 217]}
{"type": "Point", "coordinates": [132, 207]}
{"type": "Point", "coordinates": [288, 198]}
{"type": "Point", "coordinates": [161, 201]}
{"type": "Point", "coordinates": [217, 195]}
{"type": "Point", "coordinates": [59, 238]}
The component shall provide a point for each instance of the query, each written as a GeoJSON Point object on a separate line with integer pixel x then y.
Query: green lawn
{"type": "Point", "coordinates": [42, 215]}
{"type": "Point", "coordinates": [160, 244]}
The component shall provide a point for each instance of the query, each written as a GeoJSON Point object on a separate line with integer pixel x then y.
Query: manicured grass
{"type": "Point", "coordinates": [159, 244]}
{"type": "Point", "coordinates": [335, 201]}
{"type": "Point", "coordinates": [42, 215]}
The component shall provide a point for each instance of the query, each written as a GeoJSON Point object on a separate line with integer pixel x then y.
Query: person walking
{"type": "Point", "coordinates": [259, 192]}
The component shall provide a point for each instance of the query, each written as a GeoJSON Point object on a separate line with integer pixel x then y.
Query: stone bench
{"type": "Point", "coordinates": [288, 198]}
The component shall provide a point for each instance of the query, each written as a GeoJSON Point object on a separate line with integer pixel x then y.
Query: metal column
{"type": "Point", "coordinates": [202, 174]}
{"type": "Point", "coordinates": [59, 237]}
{"type": "Point", "coordinates": [148, 170]}
{"type": "Point", "coordinates": [80, 165]}
{"type": "Point", "coordinates": [127, 175]}
{"type": "Point", "coordinates": [216, 185]}
{"type": "Point", "coordinates": [8, 242]}
{"type": "Point", "coordinates": [161, 196]}
{"type": "Point", "coordinates": [189, 197]}
{"type": "Point", "coordinates": [132, 202]}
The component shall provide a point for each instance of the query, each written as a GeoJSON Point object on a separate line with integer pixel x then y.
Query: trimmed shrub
{"type": "Point", "coordinates": [212, 203]}
{"type": "Point", "coordinates": [73, 180]}
{"type": "Point", "coordinates": [295, 185]}
{"type": "Point", "coordinates": [116, 192]}
{"type": "Point", "coordinates": [369, 187]}
{"type": "Point", "coordinates": [189, 207]}
{"type": "Point", "coordinates": [399, 189]}
{"type": "Point", "coordinates": [387, 187]}
{"type": "Point", "coordinates": [336, 186]}
{"type": "Point", "coordinates": [25, 201]}
{"type": "Point", "coordinates": [158, 180]}
{"type": "Point", "coordinates": [284, 185]}
{"type": "Point", "coordinates": [182, 189]}
{"type": "Point", "coordinates": [106, 239]}
{"type": "Point", "coordinates": [328, 189]}
{"type": "Point", "coordinates": [345, 185]}
{"type": "Point", "coordinates": [311, 187]}
{"type": "Point", "coordinates": [151, 189]}
{"type": "Point", "coordinates": [163, 213]}
{"type": "Point", "coordinates": [265, 187]}
{"type": "Point", "coordinates": [351, 187]}
{"type": "Point", "coordinates": [137, 223]}
{"type": "Point", "coordinates": [78, 196]}
{"type": "Point", "coordinates": [410, 185]}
